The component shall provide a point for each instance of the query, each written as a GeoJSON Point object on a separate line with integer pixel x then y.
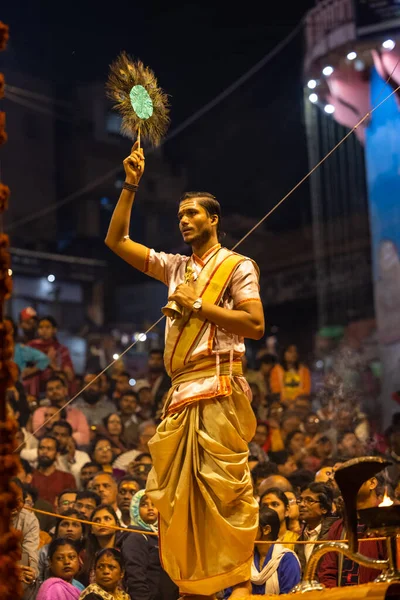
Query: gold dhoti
{"type": "Point", "coordinates": [202, 487]}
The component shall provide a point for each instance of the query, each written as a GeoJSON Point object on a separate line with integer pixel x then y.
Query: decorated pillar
{"type": "Point", "coordinates": [10, 554]}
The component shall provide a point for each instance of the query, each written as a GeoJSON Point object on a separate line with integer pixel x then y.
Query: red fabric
{"type": "Point", "coordinates": [328, 566]}
{"type": "Point", "coordinates": [51, 486]}
{"type": "Point", "coordinates": [63, 360]}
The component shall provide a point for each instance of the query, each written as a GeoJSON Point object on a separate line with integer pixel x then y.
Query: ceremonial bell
{"type": "Point", "coordinates": [172, 309]}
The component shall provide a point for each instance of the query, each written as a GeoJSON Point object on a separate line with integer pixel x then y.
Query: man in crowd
{"type": "Point", "coordinates": [88, 471]}
{"type": "Point", "coordinates": [86, 502]}
{"type": "Point", "coordinates": [49, 481]}
{"type": "Point", "coordinates": [127, 488]}
{"type": "Point", "coordinates": [65, 501]}
{"type": "Point", "coordinates": [92, 402]}
{"type": "Point", "coordinates": [105, 486]}
{"type": "Point", "coordinates": [28, 322]}
{"type": "Point", "coordinates": [57, 394]}
{"type": "Point", "coordinates": [146, 431]}
{"type": "Point", "coordinates": [71, 459]}
{"type": "Point", "coordinates": [157, 376]}
{"type": "Point", "coordinates": [128, 405]}
{"type": "Point", "coordinates": [348, 445]}
{"type": "Point", "coordinates": [315, 504]}
{"type": "Point", "coordinates": [335, 569]}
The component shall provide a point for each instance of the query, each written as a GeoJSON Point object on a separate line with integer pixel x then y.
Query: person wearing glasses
{"type": "Point", "coordinates": [315, 508]}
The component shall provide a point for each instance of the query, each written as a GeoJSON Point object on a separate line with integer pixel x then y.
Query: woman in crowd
{"type": "Point", "coordinates": [102, 453]}
{"type": "Point", "coordinates": [64, 566]}
{"type": "Point", "coordinates": [144, 576]}
{"type": "Point", "coordinates": [109, 572]}
{"type": "Point", "coordinates": [276, 499]}
{"type": "Point", "coordinates": [113, 430]}
{"type": "Point", "coordinates": [290, 378]}
{"type": "Point", "coordinates": [293, 513]}
{"type": "Point", "coordinates": [100, 536]}
{"type": "Point", "coordinates": [295, 444]}
{"type": "Point", "coordinates": [275, 569]}
{"type": "Point", "coordinates": [66, 529]}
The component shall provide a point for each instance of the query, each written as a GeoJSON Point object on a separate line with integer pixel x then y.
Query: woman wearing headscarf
{"type": "Point", "coordinates": [145, 579]}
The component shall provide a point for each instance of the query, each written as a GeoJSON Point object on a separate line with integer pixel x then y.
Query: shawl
{"type": "Point", "coordinates": [57, 589]}
{"type": "Point", "coordinates": [93, 588]}
{"type": "Point", "coordinates": [136, 519]}
{"type": "Point", "coordinates": [269, 573]}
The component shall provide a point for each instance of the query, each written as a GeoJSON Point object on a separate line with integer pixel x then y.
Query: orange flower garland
{"type": "Point", "coordinates": [10, 549]}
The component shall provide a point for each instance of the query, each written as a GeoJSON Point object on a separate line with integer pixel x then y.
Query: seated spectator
{"type": "Point", "coordinates": [351, 573]}
{"type": "Point", "coordinates": [315, 503]}
{"type": "Point", "coordinates": [28, 322]}
{"type": "Point", "coordinates": [58, 354]}
{"type": "Point", "coordinates": [302, 406]}
{"type": "Point", "coordinates": [290, 422]}
{"type": "Point", "coordinates": [113, 430]}
{"type": "Point", "coordinates": [140, 468]}
{"type": "Point", "coordinates": [26, 523]}
{"type": "Point", "coordinates": [147, 430]}
{"type": "Point", "coordinates": [144, 576]}
{"type": "Point", "coordinates": [275, 481]}
{"type": "Point", "coordinates": [293, 513]}
{"type": "Point", "coordinates": [348, 445]}
{"type": "Point", "coordinates": [105, 486]}
{"type": "Point", "coordinates": [121, 385]}
{"type": "Point", "coordinates": [101, 452]}
{"type": "Point", "coordinates": [86, 502]}
{"type": "Point", "coordinates": [24, 474]}
{"type": "Point", "coordinates": [109, 572]}
{"type": "Point", "coordinates": [92, 402]}
{"type": "Point", "coordinates": [57, 394]}
{"type": "Point", "coordinates": [261, 442]}
{"type": "Point", "coordinates": [147, 406]}
{"type": "Point", "coordinates": [46, 478]}
{"type": "Point", "coordinates": [100, 536]}
{"type": "Point", "coordinates": [66, 529]}
{"type": "Point", "coordinates": [295, 444]}
{"type": "Point", "coordinates": [88, 471]}
{"type": "Point", "coordinates": [290, 378]}
{"type": "Point", "coordinates": [128, 404]}
{"type": "Point", "coordinates": [284, 461]}
{"type": "Point", "coordinates": [275, 568]}
{"type": "Point", "coordinates": [65, 501]}
{"type": "Point", "coordinates": [64, 567]}
{"type": "Point", "coordinates": [277, 500]}
{"type": "Point", "coordinates": [300, 479]}
{"type": "Point", "coordinates": [127, 488]}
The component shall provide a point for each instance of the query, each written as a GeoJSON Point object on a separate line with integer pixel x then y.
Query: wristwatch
{"type": "Point", "coordinates": [197, 304]}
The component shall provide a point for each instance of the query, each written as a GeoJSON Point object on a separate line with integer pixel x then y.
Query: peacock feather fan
{"type": "Point", "coordinates": [143, 105]}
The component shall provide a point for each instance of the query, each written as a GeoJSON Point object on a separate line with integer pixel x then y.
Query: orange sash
{"type": "Point", "coordinates": [185, 332]}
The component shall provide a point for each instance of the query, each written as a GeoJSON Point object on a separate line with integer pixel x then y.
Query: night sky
{"type": "Point", "coordinates": [250, 149]}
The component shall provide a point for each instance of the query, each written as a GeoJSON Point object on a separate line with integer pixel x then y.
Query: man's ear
{"type": "Point", "coordinates": [373, 483]}
{"type": "Point", "coordinates": [266, 530]}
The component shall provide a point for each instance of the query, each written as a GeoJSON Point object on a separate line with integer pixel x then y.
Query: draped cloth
{"type": "Point", "coordinates": [202, 487]}
{"type": "Point", "coordinates": [57, 589]}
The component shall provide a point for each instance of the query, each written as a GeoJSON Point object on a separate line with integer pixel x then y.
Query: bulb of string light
{"type": "Point", "coordinates": [312, 84]}
{"type": "Point", "coordinates": [352, 55]}
{"type": "Point", "coordinates": [328, 70]}
{"type": "Point", "coordinates": [329, 108]}
{"type": "Point", "coordinates": [313, 98]}
{"type": "Point", "coordinates": [388, 44]}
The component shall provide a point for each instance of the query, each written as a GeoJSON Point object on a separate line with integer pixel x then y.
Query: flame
{"type": "Point", "coordinates": [387, 501]}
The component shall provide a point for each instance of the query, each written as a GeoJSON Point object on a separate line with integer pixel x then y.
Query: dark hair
{"type": "Point", "coordinates": [50, 319]}
{"type": "Point", "coordinates": [124, 374]}
{"type": "Point", "coordinates": [114, 553]}
{"type": "Point", "coordinates": [142, 455]}
{"type": "Point", "coordinates": [290, 436]}
{"type": "Point", "coordinates": [128, 393]}
{"type": "Point", "coordinates": [64, 424]}
{"type": "Point", "coordinates": [283, 361]}
{"type": "Point", "coordinates": [301, 478]}
{"type": "Point", "coordinates": [57, 542]}
{"type": "Point", "coordinates": [17, 482]}
{"type": "Point", "coordinates": [70, 512]}
{"type": "Point", "coordinates": [25, 464]}
{"type": "Point", "coordinates": [92, 545]}
{"type": "Point", "coordinates": [278, 493]}
{"type": "Point", "coordinates": [110, 510]}
{"type": "Point", "coordinates": [91, 463]}
{"type": "Point", "coordinates": [106, 419]}
{"type": "Point", "coordinates": [127, 478]}
{"type": "Point", "coordinates": [324, 493]}
{"type": "Point", "coordinates": [156, 351]}
{"type": "Point", "coordinates": [263, 470]}
{"type": "Point", "coordinates": [56, 378]}
{"type": "Point", "coordinates": [280, 457]}
{"type": "Point", "coordinates": [97, 439]}
{"type": "Point", "coordinates": [47, 436]}
{"type": "Point", "coordinates": [88, 494]}
{"type": "Point", "coordinates": [209, 202]}
{"type": "Point", "coordinates": [30, 491]}
{"type": "Point", "coordinates": [269, 516]}
{"type": "Point", "coordinates": [267, 359]}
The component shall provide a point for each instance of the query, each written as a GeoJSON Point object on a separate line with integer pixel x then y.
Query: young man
{"type": "Point", "coordinates": [208, 420]}
{"type": "Point", "coordinates": [48, 481]}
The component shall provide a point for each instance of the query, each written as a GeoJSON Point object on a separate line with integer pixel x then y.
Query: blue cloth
{"type": "Point", "coordinates": [79, 586]}
{"type": "Point", "coordinates": [23, 355]}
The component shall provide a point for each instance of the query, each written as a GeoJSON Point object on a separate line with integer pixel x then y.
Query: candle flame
{"type": "Point", "coordinates": [387, 501]}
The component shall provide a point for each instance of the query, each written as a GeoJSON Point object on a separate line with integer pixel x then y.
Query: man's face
{"type": "Point", "coordinates": [122, 384]}
{"type": "Point", "coordinates": [105, 486]}
{"type": "Point", "coordinates": [288, 467]}
{"type": "Point", "coordinates": [128, 405]}
{"type": "Point", "coordinates": [51, 415]}
{"type": "Point", "coordinates": [62, 436]}
{"type": "Point", "coordinates": [92, 393]}
{"type": "Point", "coordinates": [349, 445]}
{"type": "Point", "coordinates": [155, 364]}
{"type": "Point", "coordinates": [46, 331]}
{"type": "Point", "coordinates": [195, 224]}
{"type": "Point", "coordinates": [310, 508]}
{"type": "Point", "coordinates": [126, 491]}
{"type": "Point", "coordinates": [57, 393]}
{"type": "Point", "coordinates": [66, 501]}
{"type": "Point", "coordinates": [86, 507]}
{"type": "Point", "coordinates": [28, 325]}
{"type": "Point", "coordinates": [145, 398]}
{"type": "Point", "coordinates": [87, 474]}
{"type": "Point", "coordinates": [47, 453]}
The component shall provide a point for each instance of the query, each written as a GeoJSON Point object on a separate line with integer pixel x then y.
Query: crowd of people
{"type": "Point", "coordinates": [90, 531]}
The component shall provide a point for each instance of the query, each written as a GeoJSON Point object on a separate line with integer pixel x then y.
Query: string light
{"type": "Point", "coordinates": [388, 44]}
{"type": "Point", "coordinates": [328, 70]}
{"type": "Point", "coordinates": [312, 84]}
{"type": "Point", "coordinates": [329, 108]}
{"type": "Point", "coordinates": [313, 98]}
{"type": "Point", "coordinates": [351, 55]}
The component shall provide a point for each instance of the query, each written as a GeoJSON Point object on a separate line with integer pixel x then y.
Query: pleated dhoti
{"type": "Point", "coordinates": [202, 487]}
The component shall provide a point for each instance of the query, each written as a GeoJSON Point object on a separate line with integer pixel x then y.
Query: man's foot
{"type": "Point", "coordinates": [241, 590]}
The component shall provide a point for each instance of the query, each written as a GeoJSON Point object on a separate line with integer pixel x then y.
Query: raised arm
{"type": "Point", "coordinates": [133, 253]}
